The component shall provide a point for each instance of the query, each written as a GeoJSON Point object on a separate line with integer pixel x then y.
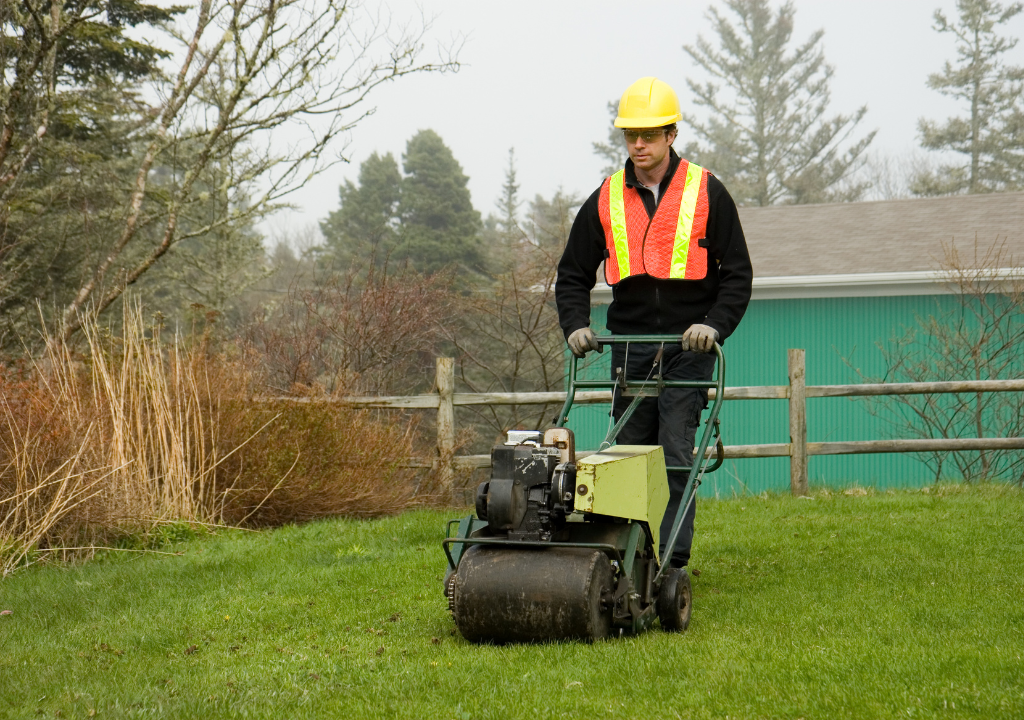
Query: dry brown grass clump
{"type": "Point", "coordinates": [136, 433]}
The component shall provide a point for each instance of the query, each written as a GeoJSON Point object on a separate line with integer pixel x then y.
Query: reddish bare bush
{"type": "Point", "coordinates": [47, 480]}
{"type": "Point", "coordinates": [313, 460]}
{"type": "Point", "coordinates": [370, 331]}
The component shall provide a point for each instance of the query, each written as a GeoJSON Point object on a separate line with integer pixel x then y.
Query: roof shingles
{"type": "Point", "coordinates": [879, 236]}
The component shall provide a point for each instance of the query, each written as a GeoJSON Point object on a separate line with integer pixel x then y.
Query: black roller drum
{"type": "Point", "coordinates": [506, 594]}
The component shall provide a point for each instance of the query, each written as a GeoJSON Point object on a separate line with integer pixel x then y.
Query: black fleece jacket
{"type": "Point", "coordinates": [646, 305]}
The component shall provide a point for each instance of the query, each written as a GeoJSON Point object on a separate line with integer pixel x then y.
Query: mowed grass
{"type": "Point", "coordinates": [886, 605]}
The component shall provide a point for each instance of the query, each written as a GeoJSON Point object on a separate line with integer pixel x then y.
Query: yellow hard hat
{"type": "Point", "coordinates": [648, 103]}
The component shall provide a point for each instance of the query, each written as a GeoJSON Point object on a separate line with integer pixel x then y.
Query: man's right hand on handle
{"type": "Point", "coordinates": [582, 341]}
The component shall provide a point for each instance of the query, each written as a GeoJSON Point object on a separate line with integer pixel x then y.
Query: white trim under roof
{"type": "Point", "coordinates": [927, 282]}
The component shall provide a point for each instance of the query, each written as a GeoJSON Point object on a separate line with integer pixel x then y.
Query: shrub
{"type": "Point", "coordinates": [135, 434]}
{"type": "Point", "coordinates": [299, 461]}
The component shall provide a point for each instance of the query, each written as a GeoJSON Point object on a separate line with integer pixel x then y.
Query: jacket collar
{"type": "Point", "coordinates": [673, 163]}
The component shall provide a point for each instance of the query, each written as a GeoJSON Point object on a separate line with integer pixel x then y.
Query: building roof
{"type": "Point", "coordinates": [885, 236]}
{"type": "Point", "coordinates": [873, 249]}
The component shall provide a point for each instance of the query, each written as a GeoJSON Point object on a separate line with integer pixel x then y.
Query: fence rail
{"type": "Point", "coordinates": [431, 401]}
{"type": "Point", "coordinates": [798, 450]}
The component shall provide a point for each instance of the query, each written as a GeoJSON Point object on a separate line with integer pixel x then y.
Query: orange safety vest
{"type": "Point", "coordinates": [666, 246]}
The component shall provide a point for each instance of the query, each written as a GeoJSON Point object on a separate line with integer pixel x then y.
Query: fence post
{"type": "Point", "coordinates": [797, 423]}
{"type": "Point", "coordinates": [445, 381]}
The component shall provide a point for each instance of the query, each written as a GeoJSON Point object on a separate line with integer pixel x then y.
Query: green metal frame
{"type": "Point", "coordinates": [698, 468]}
{"type": "Point", "coordinates": [454, 546]}
{"type": "Point", "coordinates": [467, 526]}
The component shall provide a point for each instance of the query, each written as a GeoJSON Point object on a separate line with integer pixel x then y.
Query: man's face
{"type": "Point", "coordinates": [648, 147]}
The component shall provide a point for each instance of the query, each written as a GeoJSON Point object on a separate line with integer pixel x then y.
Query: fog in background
{"type": "Point", "coordinates": [537, 76]}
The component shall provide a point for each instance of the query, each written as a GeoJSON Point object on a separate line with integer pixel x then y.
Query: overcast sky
{"type": "Point", "coordinates": [537, 75]}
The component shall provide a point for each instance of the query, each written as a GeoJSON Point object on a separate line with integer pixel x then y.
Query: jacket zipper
{"type": "Point", "coordinates": [643, 247]}
{"type": "Point", "coordinates": [657, 306]}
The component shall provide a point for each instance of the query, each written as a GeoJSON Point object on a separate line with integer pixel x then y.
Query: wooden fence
{"type": "Point", "coordinates": [797, 392]}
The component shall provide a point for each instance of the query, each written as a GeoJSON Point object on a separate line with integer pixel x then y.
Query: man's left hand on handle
{"type": "Point", "coordinates": [700, 338]}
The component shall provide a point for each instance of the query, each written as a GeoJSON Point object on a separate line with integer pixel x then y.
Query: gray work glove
{"type": "Point", "coordinates": [582, 341]}
{"type": "Point", "coordinates": [700, 338]}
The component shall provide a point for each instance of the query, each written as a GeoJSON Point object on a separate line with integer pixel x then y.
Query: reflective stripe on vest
{"type": "Point", "coordinates": [617, 209]}
{"type": "Point", "coordinates": [684, 226]}
{"type": "Point", "coordinates": [659, 246]}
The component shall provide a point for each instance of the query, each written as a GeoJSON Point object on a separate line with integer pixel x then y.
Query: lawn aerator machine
{"type": "Point", "coordinates": [565, 545]}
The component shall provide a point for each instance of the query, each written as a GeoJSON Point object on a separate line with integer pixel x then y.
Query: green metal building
{"type": "Point", "coordinates": [835, 280]}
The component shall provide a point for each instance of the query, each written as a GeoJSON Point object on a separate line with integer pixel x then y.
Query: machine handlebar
{"type": "Point", "coordinates": [699, 466]}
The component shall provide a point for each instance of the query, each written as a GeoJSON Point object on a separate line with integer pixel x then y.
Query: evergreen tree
{"type": "Point", "coordinates": [365, 225]}
{"type": "Point", "coordinates": [991, 135]}
{"type": "Point", "coordinates": [508, 203]}
{"type": "Point", "coordinates": [549, 221]}
{"type": "Point", "coordinates": [212, 269]}
{"type": "Point", "coordinates": [770, 139]}
{"type": "Point", "coordinates": [439, 225]}
{"type": "Point", "coordinates": [613, 152]}
{"type": "Point", "coordinates": [491, 240]}
{"type": "Point", "coordinates": [72, 118]}
{"type": "Point", "coordinates": [502, 234]}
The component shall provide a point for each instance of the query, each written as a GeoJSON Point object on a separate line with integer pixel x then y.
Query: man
{"type": "Point", "coordinates": [674, 253]}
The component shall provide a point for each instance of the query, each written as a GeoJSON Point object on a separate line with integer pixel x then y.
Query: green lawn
{"type": "Point", "coordinates": [891, 605]}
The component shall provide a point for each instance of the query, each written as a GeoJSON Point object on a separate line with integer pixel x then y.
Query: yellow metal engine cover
{"type": "Point", "coordinates": [626, 481]}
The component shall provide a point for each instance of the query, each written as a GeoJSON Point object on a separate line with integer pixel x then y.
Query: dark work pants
{"type": "Point", "coordinates": [670, 420]}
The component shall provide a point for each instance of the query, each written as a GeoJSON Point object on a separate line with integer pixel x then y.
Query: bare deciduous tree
{"type": "Point", "coordinates": [891, 175]}
{"type": "Point", "coordinates": [246, 72]}
{"type": "Point", "coordinates": [371, 330]}
{"type": "Point", "coordinates": [977, 336]}
{"type": "Point", "coordinates": [507, 335]}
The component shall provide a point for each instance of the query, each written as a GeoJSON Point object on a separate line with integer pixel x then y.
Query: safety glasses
{"type": "Point", "coordinates": [649, 136]}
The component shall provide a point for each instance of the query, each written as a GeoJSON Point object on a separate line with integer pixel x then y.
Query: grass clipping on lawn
{"type": "Point", "coordinates": [136, 433]}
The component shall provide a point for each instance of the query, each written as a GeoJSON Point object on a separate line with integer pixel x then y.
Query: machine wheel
{"type": "Point", "coordinates": [675, 600]}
